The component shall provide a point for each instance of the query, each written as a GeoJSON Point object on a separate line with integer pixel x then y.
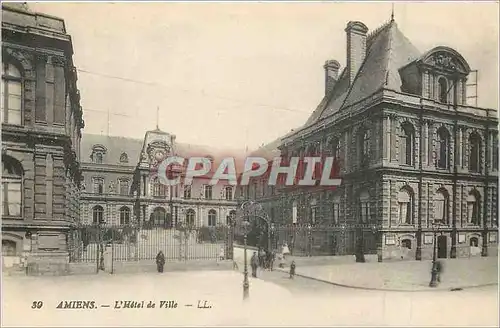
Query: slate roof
{"type": "Point", "coordinates": [115, 146]}
{"type": "Point", "coordinates": [387, 50]}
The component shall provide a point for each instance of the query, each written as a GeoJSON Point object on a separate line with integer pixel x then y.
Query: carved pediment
{"type": "Point", "coordinates": [447, 59]}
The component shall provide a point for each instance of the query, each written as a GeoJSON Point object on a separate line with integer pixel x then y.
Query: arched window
{"type": "Point", "coordinates": [123, 185]}
{"type": "Point", "coordinates": [473, 215]}
{"type": "Point", "coordinates": [9, 248]}
{"type": "Point", "coordinates": [443, 90]}
{"type": "Point", "coordinates": [187, 192]}
{"type": "Point", "coordinates": [124, 215]}
{"type": "Point", "coordinates": [294, 212]}
{"type": "Point", "coordinates": [405, 202]}
{"type": "Point", "coordinates": [443, 145]}
{"type": "Point", "coordinates": [98, 215]}
{"type": "Point", "coordinates": [406, 144]}
{"type": "Point", "coordinates": [12, 187]}
{"type": "Point", "coordinates": [159, 218]}
{"type": "Point", "coordinates": [475, 152]}
{"type": "Point", "coordinates": [441, 199]}
{"type": "Point", "coordinates": [212, 218]}
{"type": "Point", "coordinates": [314, 211]}
{"type": "Point", "coordinates": [159, 189]}
{"type": "Point", "coordinates": [124, 158]}
{"type": "Point", "coordinates": [229, 193]}
{"type": "Point", "coordinates": [190, 214]}
{"type": "Point", "coordinates": [364, 207]}
{"type": "Point", "coordinates": [336, 209]}
{"type": "Point", "coordinates": [11, 94]}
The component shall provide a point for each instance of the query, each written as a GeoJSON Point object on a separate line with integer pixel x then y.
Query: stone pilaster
{"type": "Point", "coordinates": [394, 139]}
{"type": "Point", "coordinates": [394, 203]}
{"type": "Point", "coordinates": [425, 84]}
{"type": "Point", "coordinates": [386, 151]}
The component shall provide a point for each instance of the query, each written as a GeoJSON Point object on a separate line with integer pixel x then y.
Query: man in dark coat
{"type": "Point", "coordinates": [254, 262]}
{"type": "Point", "coordinates": [160, 261]}
{"type": "Point", "coordinates": [292, 269]}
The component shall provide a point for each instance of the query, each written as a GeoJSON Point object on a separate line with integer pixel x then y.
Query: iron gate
{"type": "Point", "coordinates": [133, 243]}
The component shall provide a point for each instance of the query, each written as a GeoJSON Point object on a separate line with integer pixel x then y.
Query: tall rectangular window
{"type": "Point", "coordinates": [208, 192]}
{"type": "Point", "coordinates": [98, 185]}
{"type": "Point", "coordinates": [11, 94]}
{"type": "Point", "coordinates": [124, 186]}
{"type": "Point", "coordinates": [187, 192]}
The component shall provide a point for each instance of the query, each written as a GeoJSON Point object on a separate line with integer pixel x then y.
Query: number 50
{"type": "Point", "coordinates": [37, 305]}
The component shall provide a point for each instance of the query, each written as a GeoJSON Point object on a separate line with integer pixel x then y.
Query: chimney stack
{"type": "Point", "coordinates": [331, 74]}
{"type": "Point", "coordinates": [356, 47]}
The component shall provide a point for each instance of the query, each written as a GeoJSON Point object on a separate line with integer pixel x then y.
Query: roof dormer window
{"type": "Point", "coordinates": [98, 153]}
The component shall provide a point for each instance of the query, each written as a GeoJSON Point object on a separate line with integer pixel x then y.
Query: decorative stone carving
{"type": "Point", "coordinates": [444, 60]}
{"type": "Point", "coordinates": [58, 61]}
{"type": "Point", "coordinates": [41, 58]}
{"type": "Point", "coordinates": [112, 187]}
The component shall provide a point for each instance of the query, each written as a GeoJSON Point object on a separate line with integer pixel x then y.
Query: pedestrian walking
{"type": "Point", "coordinates": [272, 259]}
{"type": "Point", "coordinates": [281, 260]}
{"type": "Point", "coordinates": [262, 257]}
{"type": "Point", "coordinates": [292, 270]}
{"type": "Point", "coordinates": [285, 250]}
{"type": "Point", "coordinates": [222, 254]}
{"type": "Point", "coordinates": [160, 261]}
{"type": "Point", "coordinates": [254, 263]}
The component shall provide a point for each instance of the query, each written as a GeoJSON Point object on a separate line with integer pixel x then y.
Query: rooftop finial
{"type": "Point", "coordinates": [392, 13]}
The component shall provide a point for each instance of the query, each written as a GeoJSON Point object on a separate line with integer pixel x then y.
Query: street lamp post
{"type": "Point", "coordinates": [273, 238]}
{"type": "Point", "coordinates": [343, 227]}
{"type": "Point", "coordinates": [246, 228]}
{"type": "Point", "coordinates": [246, 285]}
{"type": "Point", "coordinates": [309, 239]}
{"type": "Point", "coordinates": [434, 270]}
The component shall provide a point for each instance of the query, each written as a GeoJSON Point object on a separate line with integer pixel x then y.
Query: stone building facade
{"type": "Point", "coordinates": [416, 161]}
{"type": "Point", "coordinates": [41, 124]}
{"type": "Point", "coordinates": [121, 185]}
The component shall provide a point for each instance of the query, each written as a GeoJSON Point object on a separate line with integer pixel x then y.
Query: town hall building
{"type": "Point", "coordinates": [418, 164]}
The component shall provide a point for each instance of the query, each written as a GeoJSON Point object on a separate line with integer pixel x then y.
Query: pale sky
{"type": "Point", "coordinates": [232, 75]}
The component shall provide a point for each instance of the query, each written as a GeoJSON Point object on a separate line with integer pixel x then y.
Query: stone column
{"type": "Point", "coordinates": [425, 143]}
